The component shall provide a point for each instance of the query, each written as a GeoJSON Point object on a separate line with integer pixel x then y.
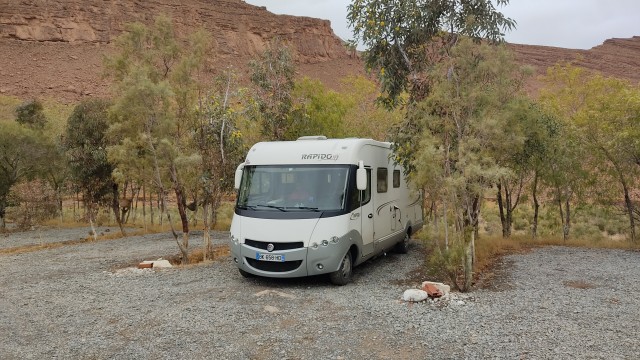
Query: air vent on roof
{"type": "Point", "coordinates": [314, 137]}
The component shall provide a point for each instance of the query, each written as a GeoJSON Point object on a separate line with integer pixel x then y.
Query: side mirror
{"type": "Point", "coordinates": [361, 176]}
{"type": "Point", "coordinates": [238, 178]}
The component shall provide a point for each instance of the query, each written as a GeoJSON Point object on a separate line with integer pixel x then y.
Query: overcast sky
{"type": "Point", "coordinates": [577, 24]}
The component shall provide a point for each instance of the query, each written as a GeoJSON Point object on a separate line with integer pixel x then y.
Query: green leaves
{"type": "Point", "coordinates": [273, 76]}
{"type": "Point", "coordinates": [398, 36]}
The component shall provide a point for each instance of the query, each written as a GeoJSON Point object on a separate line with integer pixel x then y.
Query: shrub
{"type": "Point", "coordinates": [34, 201]}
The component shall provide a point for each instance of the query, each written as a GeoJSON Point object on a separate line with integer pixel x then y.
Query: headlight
{"type": "Point", "coordinates": [335, 239]}
{"type": "Point", "coordinates": [325, 242]}
{"type": "Point", "coordinates": [314, 245]}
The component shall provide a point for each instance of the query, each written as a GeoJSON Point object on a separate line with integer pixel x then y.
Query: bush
{"type": "Point", "coordinates": [31, 114]}
{"type": "Point", "coordinates": [34, 202]}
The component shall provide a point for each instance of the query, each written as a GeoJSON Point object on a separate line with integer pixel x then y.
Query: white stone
{"type": "Point", "coordinates": [271, 309]}
{"type": "Point", "coordinates": [159, 264]}
{"type": "Point", "coordinates": [415, 295]}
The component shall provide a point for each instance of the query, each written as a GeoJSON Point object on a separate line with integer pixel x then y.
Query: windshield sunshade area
{"type": "Point", "coordinates": [293, 188]}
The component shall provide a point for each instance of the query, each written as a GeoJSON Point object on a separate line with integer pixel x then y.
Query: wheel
{"type": "Point", "coordinates": [246, 274]}
{"type": "Point", "coordinates": [403, 246]}
{"type": "Point", "coordinates": [343, 275]}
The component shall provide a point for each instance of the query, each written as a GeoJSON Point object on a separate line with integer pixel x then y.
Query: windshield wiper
{"type": "Point", "coordinates": [304, 208]}
{"type": "Point", "coordinates": [281, 208]}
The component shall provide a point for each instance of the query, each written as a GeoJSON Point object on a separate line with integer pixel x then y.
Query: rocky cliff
{"type": "Point", "coordinates": [54, 48]}
{"type": "Point", "coordinates": [615, 57]}
{"type": "Point", "coordinates": [238, 29]}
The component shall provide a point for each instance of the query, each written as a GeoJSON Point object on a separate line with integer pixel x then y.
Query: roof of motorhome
{"type": "Point", "coordinates": [310, 150]}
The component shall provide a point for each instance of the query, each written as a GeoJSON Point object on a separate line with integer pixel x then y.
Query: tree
{"type": "Point", "coordinates": [31, 114]}
{"type": "Point", "coordinates": [316, 111]}
{"type": "Point", "coordinates": [525, 119]}
{"type": "Point", "coordinates": [604, 113]}
{"type": "Point", "coordinates": [467, 126]}
{"type": "Point", "coordinates": [399, 37]}
{"type": "Point", "coordinates": [363, 118]}
{"type": "Point", "coordinates": [156, 88]}
{"type": "Point", "coordinates": [220, 146]}
{"type": "Point", "coordinates": [273, 74]}
{"type": "Point", "coordinates": [22, 157]}
{"type": "Point", "coordinates": [86, 145]}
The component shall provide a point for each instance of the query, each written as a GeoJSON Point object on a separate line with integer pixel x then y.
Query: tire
{"type": "Point", "coordinates": [344, 273]}
{"type": "Point", "coordinates": [245, 274]}
{"type": "Point", "coordinates": [403, 246]}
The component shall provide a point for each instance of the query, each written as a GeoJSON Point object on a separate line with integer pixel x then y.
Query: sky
{"type": "Point", "coordinates": [575, 24]}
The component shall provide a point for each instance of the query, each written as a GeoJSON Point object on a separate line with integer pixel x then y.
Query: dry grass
{"type": "Point", "coordinates": [196, 256]}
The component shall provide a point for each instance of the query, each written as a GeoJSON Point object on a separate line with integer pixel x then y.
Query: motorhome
{"type": "Point", "coordinates": [320, 206]}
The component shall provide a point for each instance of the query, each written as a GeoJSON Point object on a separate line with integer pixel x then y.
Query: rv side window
{"type": "Point", "coordinates": [396, 178]}
{"type": "Point", "coordinates": [382, 180]}
{"type": "Point", "coordinates": [367, 193]}
{"type": "Point", "coordinates": [355, 194]}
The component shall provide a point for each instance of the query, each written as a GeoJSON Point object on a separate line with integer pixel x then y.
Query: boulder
{"type": "Point", "coordinates": [415, 295]}
{"type": "Point", "coordinates": [436, 289]}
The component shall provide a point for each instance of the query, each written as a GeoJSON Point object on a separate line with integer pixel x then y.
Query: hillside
{"type": "Point", "coordinates": [55, 49]}
{"type": "Point", "coordinates": [615, 57]}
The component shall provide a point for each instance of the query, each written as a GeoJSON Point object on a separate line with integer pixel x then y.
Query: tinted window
{"type": "Point", "coordinates": [355, 194]}
{"type": "Point", "coordinates": [396, 178]}
{"type": "Point", "coordinates": [382, 180]}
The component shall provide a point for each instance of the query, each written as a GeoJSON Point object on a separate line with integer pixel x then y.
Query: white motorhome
{"type": "Point", "coordinates": [320, 206]}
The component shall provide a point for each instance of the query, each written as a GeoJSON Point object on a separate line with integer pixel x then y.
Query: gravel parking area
{"type": "Point", "coordinates": [76, 301]}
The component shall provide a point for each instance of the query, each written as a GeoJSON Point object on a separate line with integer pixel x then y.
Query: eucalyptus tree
{"type": "Point", "coordinates": [468, 126]}
{"type": "Point", "coordinates": [24, 155]}
{"type": "Point", "coordinates": [220, 145]}
{"type": "Point", "coordinates": [603, 112]}
{"type": "Point", "coordinates": [273, 73]}
{"type": "Point", "coordinates": [85, 145]}
{"type": "Point", "coordinates": [406, 38]}
{"type": "Point", "coordinates": [155, 82]}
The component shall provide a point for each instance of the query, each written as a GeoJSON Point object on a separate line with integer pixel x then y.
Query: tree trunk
{"type": "Point", "coordinates": [115, 206]}
{"type": "Point", "coordinates": [93, 228]}
{"type": "Point", "coordinates": [151, 207]}
{"type": "Point", "coordinates": [468, 260]}
{"type": "Point", "coordinates": [182, 211]}
{"type": "Point", "coordinates": [629, 206]}
{"type": "Point", "coordinates": [506, 206]}
{"type": "Point", "coordinates": [207, 236]}
{"type": "Point", "coordinates": [445, 220]}
{"type": "Point", "coordinates": [536, 206]}
{"type": "Point", "coordinates": [144, 207]}
{"type": "Point", "coordinates": [503, 218]}
{"type": "Point", "coordinates": [567, 222]}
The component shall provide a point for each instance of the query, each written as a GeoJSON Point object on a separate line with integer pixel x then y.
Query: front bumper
{"type": "Point", "coordinates": [306, 261]}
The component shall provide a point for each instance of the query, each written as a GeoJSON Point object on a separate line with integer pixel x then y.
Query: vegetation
{"type": "Point", "coordinates": [498, 169]}
{"type": "Point", "coordinates": [470, 132]}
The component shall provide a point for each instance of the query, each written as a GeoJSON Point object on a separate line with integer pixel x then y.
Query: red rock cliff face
{"type": "Point", "coordinates": [54, 48]}
{"type": "Point", "coordinates": [618, 58]}
{"type": "Point", "coordinates": [238, 29]}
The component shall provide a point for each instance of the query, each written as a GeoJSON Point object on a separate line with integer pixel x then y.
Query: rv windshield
{"type": "Point", "coordinates": [293, 188]}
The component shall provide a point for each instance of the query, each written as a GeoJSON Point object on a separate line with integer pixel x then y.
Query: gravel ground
{"type": "Point", "coordinates": [77, 302]}
{"type": "Point", "coordinates": [45, 235]}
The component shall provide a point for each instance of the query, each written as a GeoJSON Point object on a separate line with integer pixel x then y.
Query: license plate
{"type": "Point", "coordinates": [270, 257]}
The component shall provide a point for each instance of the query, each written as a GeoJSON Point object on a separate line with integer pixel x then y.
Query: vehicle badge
{"type": "Point", "coordinates": [270, 247]}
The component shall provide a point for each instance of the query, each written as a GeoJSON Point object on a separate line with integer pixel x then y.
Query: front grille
{"type": "Point", "coordinates": [274, 266]}
{"type": "Point", "coordinates": [276, 246]}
